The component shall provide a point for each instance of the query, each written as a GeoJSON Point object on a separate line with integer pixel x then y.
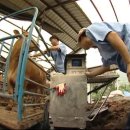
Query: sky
{"type": "Point", "coordinates": [122, 8]}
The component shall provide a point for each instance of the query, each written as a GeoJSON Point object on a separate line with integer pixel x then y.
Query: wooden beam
{"type": "Point", "coordinates": [51, 20]}
{"type": "Point", "coordinates": [70, 14]}
{"type": "Point", "coordinates": [59, 4]}
{"type": "Point", "coordinates": [57, 24]}
{"type": "Point", "coordinates": [60, 16]}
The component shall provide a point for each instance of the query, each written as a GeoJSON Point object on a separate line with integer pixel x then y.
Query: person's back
{"type": "Point", "coordinates": [112, 41]}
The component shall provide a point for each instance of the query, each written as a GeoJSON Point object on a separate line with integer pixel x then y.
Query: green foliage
{"type": "Point", "coordinates": [125, 88]}
{"type": "Point", "coordinates": [111, 87]}
{"type": "Point", "coordinates": [98, 94]}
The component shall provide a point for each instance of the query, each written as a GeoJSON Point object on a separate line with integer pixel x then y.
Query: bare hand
{"type": "Point", "coordinates": [45, 51]}
{"type": "Point", "coordinates": [89, 74]}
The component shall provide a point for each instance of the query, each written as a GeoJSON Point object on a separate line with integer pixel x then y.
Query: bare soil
{"type": "Point", "coordinates": [116, 116]}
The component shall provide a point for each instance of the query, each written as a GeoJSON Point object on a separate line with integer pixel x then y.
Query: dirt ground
{"type": "Point", "coordinates": [116, 116]}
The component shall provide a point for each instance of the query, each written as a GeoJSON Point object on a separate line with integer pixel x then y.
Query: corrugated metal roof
{"type": "Point", "coordinates": [63, 18]}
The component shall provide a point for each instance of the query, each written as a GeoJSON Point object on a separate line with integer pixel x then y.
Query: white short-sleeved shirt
{"type": "Point", "coordinates": [98, 32]}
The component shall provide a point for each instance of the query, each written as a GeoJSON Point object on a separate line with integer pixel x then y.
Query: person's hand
{"type": "Point", "coordinates": [45, 51]}
{"type": "Point", "coordinates": [89, 74]}
{"type": "Point", "coordinates": [61, 89]}
{"type": "Point", "coordinates": [128, 72]}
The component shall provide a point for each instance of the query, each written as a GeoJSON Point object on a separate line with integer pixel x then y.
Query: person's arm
{"type": "Point", "coordinates": [54, 48]}
{"type": "Point", "coordinates": [39, 54]}
{"type": "Point", "coordinates": [97, 71]}
{"type": "Point", "coordinates": [114, 39]}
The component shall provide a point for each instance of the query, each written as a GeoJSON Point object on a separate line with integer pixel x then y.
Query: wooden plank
{"type": "Point", "coordinates": [102, 78]}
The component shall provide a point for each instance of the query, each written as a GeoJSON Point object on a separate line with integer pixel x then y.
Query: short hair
{"type": "Point", "coordinates": [81, 36]}
{"type": "Point", "coordinates": [54, 37]}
